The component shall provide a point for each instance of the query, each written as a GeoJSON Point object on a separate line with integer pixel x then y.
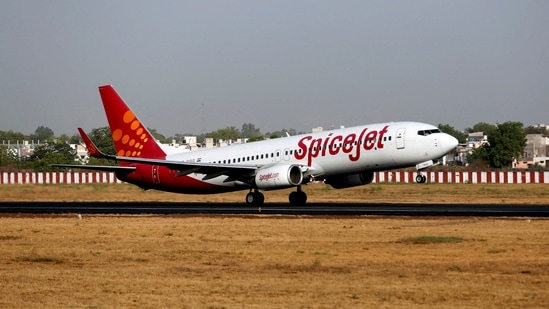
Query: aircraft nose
{"type": "Point", "coordinates": [448, 142]}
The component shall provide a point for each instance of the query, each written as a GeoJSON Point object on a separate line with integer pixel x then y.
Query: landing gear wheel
{"type": "Point", "coordinates": [421, 178]}
{"type": "Point", "coordinates": [255, 198]}
{"type": "Point", "coordinates": [297, 198]}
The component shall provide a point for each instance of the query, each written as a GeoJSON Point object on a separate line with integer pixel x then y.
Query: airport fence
{"type": "Point", "coordinates": [58, 177]}
{"type": "Point", "coordinates": [508, 177]}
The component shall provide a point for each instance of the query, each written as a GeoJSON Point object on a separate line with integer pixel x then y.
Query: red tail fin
{"type": "Point", "coordinates": [131, 138]}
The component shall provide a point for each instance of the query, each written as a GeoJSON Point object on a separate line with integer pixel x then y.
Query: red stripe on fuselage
{"type": "Point", "coordinates": [164, 179]}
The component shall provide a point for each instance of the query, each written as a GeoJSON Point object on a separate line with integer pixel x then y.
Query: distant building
{"type": "Point", "coordinates": [535, 152]}
{"type": "Point", "coordinates": [317, 129]}
{"type": "Point", "coordinates": [81, 153]}
{"type": "Point", "coordinates": [474, 140]}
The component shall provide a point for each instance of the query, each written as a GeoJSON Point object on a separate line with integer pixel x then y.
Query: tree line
{"type": "Point", "coordinates": [506, 142]}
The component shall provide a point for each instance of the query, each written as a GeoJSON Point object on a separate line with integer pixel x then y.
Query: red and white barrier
{"type": "Point", "coordinates": [57, 178]}
{"type": "Point", "coordinates": [466, 177]}
{"type": "Point", "coordinates": [381, 177]}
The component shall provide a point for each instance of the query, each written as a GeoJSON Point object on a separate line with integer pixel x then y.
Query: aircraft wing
{"type": "Point", "coordinates": [211, 170]}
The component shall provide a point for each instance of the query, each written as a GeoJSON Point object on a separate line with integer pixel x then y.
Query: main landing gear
{"type": "Point", "coordinates": [298, 197]}
{"type": "Point", "coordinates": [256, 198]}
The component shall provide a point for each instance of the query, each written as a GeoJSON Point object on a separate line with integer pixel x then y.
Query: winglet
{"type": "Point", "coordinates": [92, 149]}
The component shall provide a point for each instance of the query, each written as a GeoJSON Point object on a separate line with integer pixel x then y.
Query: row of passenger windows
{"type": "Point", "coordinates": [288, 152]}
{"type": "Point", "coordinates": [428, 132]}
{"type": "Point", "coordinates": [252, 158]}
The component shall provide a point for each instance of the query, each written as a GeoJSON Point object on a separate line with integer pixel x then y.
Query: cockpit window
{"type": "Point", "coordinates": [428, 132]}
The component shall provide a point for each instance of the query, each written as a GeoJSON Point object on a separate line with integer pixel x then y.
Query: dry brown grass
{"type": "Point", "coordinates": [52, 261]}
{"type": "Point", "coordinates": [373, 193]}
{"type": "Point", "coordinates": [261, 261]}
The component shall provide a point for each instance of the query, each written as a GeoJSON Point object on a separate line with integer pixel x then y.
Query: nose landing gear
{"type": "Point", "coordinates": [420, 178]}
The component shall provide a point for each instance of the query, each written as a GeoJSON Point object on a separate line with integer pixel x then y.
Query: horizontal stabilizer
{"type": "Point", "coordinates": [106, 168]}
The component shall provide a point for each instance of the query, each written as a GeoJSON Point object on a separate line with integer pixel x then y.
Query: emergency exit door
{"type": "Point", "coordinates": [400, 138]}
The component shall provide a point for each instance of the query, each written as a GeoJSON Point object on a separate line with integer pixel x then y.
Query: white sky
{"type": "Point", "coordinates": [276, 64]}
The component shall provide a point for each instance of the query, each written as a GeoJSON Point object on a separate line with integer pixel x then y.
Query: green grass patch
{"type": "Point", "coordinates": [431, 240]}
{"type": "Point", "coordinates": [372, 189]}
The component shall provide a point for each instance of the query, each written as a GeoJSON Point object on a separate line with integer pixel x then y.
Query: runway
{"type": "Point", "coordinates": [313, 209]}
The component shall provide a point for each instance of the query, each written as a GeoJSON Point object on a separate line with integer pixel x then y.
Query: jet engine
{"type": "Point", "coordinates": [279, 176]}
{"type": "Point", "coordinates": [353, 180]}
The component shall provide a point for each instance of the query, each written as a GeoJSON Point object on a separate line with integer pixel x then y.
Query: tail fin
{"type": "Point", "coordinates": [131, 138]}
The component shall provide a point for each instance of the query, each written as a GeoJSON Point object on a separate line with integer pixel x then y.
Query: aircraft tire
{"type": "Point", "coordinates": [297, 198]}
{"type": "Point", "coordinates": [255, 198]}
{"type": "Point", "coordinates": [421, 178]}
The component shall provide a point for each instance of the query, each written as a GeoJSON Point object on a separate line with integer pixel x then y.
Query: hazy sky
{"type": "Point", "coordinates": [197, 66]}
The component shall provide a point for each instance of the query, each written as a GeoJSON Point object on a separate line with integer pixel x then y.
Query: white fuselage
{"type": "Point", "coordinates": [350, 150]}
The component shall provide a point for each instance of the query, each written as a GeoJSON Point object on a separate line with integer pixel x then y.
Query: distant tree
{"type": "Point", "coordinates": [460, 136]}
{"type": "Point", "coordinates": [75, 139]}
{"type": "Point", "coordinates": [64, 138]}
{"type": "Point", "coordinates": [159, 137]}
{"type": "Point", "coordinates": [484, 127]}
{"type": "Point", "coordinates": [49, 153]}
{"type": "Point", "coordinates": [478, 157]}
{"type": "Point", "coordinates": [506, 142]}
{"type": "Point", "coordinates": [536, 130]}
{"type": "Point", "coordinates": [43, 134]}
{"type": "Point", "coordinates": [229, 133]}
{"type": "Point", "coordinates": [283, 133]}
{"type": "Point", "coordinates": [8, 159]}
{"type": "Point", "coordinates": [249, 131]}
{"type": "Point", "coordinates": [255, 139]}
{"type": "Point", "coordinates": [102, 138]}
{"type": "Point", "coordinates": [12, 137]}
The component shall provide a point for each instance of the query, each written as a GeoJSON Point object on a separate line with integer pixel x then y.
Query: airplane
{"type": "Point", "coordinates": [342, 158]}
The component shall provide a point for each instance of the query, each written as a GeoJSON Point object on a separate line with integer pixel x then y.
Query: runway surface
{"type": "Point", "coordinates": [313, 209]}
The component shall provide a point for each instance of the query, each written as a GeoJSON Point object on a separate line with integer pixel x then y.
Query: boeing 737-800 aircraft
{"type": "Point", "coordinates": [343, 158]}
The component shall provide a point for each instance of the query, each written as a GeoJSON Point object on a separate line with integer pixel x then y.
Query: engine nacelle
{"type": "Point", "coordinates": [278, 177]}
{"type": "Point", "coordinates": [347, 181]}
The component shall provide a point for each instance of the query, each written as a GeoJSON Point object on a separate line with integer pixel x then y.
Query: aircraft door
{"type": "Point", "coordinates": [287, 154]}
{"type": "Point", "coordinates": [155, 174]}
{"type": "Point", "coordinates": [400, 138]}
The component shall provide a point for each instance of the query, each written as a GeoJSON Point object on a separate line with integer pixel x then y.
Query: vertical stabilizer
{"type": "Point", "coordinates": [131, 138]}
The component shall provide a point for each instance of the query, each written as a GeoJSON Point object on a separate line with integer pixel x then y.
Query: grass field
{"type": "Point", "coordinates": [53, 261]}
{"type": "Point", "coordinates": [373, 193]}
